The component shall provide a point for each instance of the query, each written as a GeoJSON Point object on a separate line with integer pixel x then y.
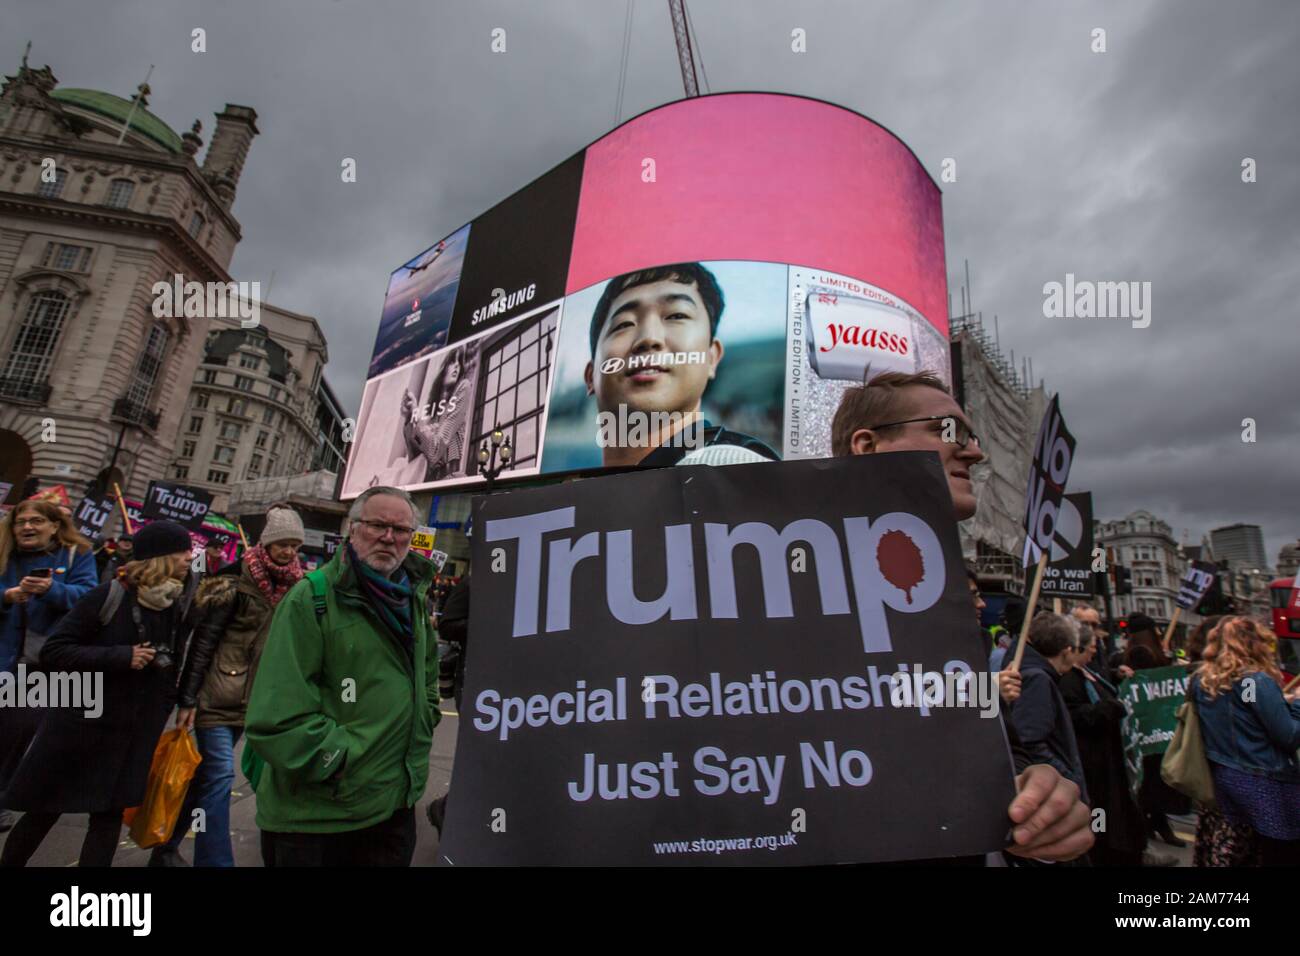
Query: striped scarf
{"type": "Point", "coordinates": [390, 599]}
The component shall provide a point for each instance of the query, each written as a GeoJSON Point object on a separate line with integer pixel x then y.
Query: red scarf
{"type": "Point", "coordinates": [273, 580]}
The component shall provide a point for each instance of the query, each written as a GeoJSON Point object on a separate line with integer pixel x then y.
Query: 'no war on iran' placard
{"type": "Point", "coordinates": [746, 668]}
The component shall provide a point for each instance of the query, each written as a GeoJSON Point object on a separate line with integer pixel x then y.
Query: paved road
{"type": "Point", "coordinates": [64, 842]}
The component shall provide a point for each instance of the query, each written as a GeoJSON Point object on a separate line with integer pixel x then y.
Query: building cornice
{"type": "Point", "coordinates": [124, 220]}
{"type": "Point", "coordinates": [130, 154]}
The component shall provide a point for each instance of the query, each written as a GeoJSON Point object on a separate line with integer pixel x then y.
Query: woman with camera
{"type": "Point", "coordinates": [96, 759]}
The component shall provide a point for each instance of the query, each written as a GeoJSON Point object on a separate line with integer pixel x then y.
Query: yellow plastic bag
{"type": "Point", "coordinates": [174, 762]}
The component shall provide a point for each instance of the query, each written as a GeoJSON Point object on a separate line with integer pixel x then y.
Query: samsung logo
{"type": "Point", "coordinates": [503, 303]}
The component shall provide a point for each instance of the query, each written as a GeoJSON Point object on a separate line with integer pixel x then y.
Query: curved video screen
{"type": "Point", "coordinates": [700, 285]}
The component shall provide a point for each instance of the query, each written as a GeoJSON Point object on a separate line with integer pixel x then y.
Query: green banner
{"type": "Point", "coordinates": [1151, 698]}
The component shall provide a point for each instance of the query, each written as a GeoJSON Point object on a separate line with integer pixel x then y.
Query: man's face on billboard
{"type": "Point", "coordinates": [663, 316]}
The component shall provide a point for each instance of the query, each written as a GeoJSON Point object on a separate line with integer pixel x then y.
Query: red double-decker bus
{"type": "Point", "coordinates": [1284, 604]}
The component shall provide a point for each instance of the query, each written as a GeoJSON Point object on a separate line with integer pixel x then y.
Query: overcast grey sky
{"type": "Point", "coordinates": [1117, 166]}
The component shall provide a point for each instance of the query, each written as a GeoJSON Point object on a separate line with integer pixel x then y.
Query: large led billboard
{"type": "Point", "coordinates": [707, 278]}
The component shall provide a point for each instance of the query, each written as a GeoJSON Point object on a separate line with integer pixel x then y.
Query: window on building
{"type": "Point", "coordinates": [275, 445]}
{"type": "Point", "coordinates": [60, 255]}
{"type": "Point", "coordinates": [224, 455]}
{"type": "Point", "coordinates": [255, 462]}
{"type": "Point", "coordinates": [29, 361]}
{"type": "Point", "coordinates": [260, 442]}
{"type": "Point", "coordinates": [275, 394]}
{"type": "Point", "coordinates": [231, 431]}
{"type": "Point", "coordinates": [249, 361]}
{"type": "Point", "coordinates": [218, 477]}
{"type": "Point", "coordinates": [181, 471]}
{"type": "Point", "coordinates": [200, 399]}
{"type": "Point", "coordinates": [196, 225]}
{"type": "Point", "coordinates": [119, 193]}
{"type": "Point", "coordinates": [268, 414]}
{"type": "Point", "coordinates": [209, 376]}
{"type": "Point", "coordinates": [196, 424]}
{"type": "Point", "coordinates": [238, 406]}
{"type": "Point", "coordinates": [243, 384]}
{"type": "Point", "coordinates": [187, 449]}
{"type": "Point", "coordinates": [150, 363]}
{"type": "Point", "coordinates": [519, 368]}
{"type": "Point", "coordinates": [52, 189]}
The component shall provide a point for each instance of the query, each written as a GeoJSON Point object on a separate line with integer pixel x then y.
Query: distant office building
{"type": "Point", "coordinates": [1145, 545]}
{"type": "Point", "coordinates": [1241, 544]}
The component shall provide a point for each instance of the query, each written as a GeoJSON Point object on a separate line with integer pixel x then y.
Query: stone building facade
{"type": "Point", "coordinates": [100, 200]}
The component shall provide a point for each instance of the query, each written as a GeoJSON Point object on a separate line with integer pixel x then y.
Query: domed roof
{"type": "Point", "coordinates": [116, 108]}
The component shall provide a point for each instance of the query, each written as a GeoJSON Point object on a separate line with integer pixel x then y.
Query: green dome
{"type": "Point", "coordinates": [116, 108]}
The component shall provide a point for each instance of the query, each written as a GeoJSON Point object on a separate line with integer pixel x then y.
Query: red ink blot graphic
{"type": "Point", "coordinates": [901, 562]}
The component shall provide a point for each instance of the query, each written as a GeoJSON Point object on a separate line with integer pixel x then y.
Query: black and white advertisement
{"type": "Point", "coordinates": [1048, 473]}
{"type": "Point", "coordinates": [757, 665]}
{"type": "Point", "coordinates": [421, 425]}
{"type": "Point", "coordinates": [168, 501]}
{"type": "Point", "coordinates": [1195, 583]}
{"type": "Point", "coordinates": [1068, 573]}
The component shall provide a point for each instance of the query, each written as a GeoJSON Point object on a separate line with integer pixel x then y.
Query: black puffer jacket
{"type": "Point", "coordinates": [231, 621]}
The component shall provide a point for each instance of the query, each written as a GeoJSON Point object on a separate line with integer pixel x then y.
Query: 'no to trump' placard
{"type": "Point", "coordinates": [745, 668]}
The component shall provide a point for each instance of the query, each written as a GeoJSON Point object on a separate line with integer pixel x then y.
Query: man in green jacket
{"type": "Point", "coordinates": [346, 699]}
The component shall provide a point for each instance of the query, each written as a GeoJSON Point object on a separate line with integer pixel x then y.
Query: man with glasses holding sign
{"type": "Point", "coordinates": [346, 698]}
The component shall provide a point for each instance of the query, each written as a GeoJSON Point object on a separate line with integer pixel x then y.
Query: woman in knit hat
{"type": "Point", "coordinates": [95, 758]}
{"type": "Point", "coordinates": [233, 610]}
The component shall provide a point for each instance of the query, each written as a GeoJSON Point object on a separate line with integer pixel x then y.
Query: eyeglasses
{"type": "Point", "coordinates": [34, 522]}
{"type": "Point", "coordinates": [381, 528]}
{"type": "Point", "coordinates": [963, 434]}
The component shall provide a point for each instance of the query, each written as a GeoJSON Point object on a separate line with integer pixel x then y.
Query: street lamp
{"type": "Point", "coordinates": [494, 460]}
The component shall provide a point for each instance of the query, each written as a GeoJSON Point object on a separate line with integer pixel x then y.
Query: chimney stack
{"type": "Point", "coordinates": [236, 127]}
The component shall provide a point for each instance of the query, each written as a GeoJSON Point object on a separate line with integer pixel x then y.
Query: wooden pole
{"type": "Point", "coordinates": [1291, 684]}
{"type": "Point", "coordinates": [126, 518]}
{"type": "Point", "coordinates": [1029, 610]}
{"type": "Point", "coordinates": [1169, 631]}
{"type": "Point", "coordinates": [241, 535]}
{"type": "Point", "coordinates": [1056, 605]}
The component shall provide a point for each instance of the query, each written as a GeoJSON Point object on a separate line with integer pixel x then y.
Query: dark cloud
{"type": "Point", "coordinates": [1116, 166]}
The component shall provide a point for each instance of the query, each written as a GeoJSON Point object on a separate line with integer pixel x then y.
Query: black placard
{"type": "Point", "coordinates": [1068, 573]}
{"type": "Point", "coordinates": [180, 503]}
{"type": "Point", "coordinates": [1195, 583]}
{"type": "Point", "coordinates": [92, 515]}
{"type": "Point", "coordinates": [1048, 473]}
{"type": "Point", "coordinates": [793, 743]}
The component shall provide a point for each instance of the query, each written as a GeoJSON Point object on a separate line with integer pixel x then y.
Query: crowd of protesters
{"type": "Point", "coordinates": [334, 680]}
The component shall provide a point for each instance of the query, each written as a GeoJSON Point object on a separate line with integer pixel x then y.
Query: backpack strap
{"type": "Point", "coordinates": [111, 603]}
{"type": "Point", "coordinates": [318, 588]}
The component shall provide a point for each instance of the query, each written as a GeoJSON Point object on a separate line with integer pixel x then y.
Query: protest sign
{"type": "Point", "coordinates": [1195, 583]}
{"type": "Point", "coordinates": [1068, 572]}
{"type": "Point", "coordinates": [168, 501]}
{"type": "Point", "coordinates": [422, 540]}
{"type": "Point", "coordinates": [1151, 698]}
{"type": "Point", "coordinates": [755, 665]}
{"type": "Point", "coordinates": [332, 542]}
{"type": "Point", "coordinates": [92, 515]}
{"type": "Point", "coordinates": [1048, 473]}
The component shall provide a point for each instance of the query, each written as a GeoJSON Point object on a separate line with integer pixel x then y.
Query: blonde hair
{"type": "Point", "coordinates": [1235, 647]}
{"type": "Point", "coordinates": [65, 532]}
{"type": "Point", "coordinates": [148, 573]}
